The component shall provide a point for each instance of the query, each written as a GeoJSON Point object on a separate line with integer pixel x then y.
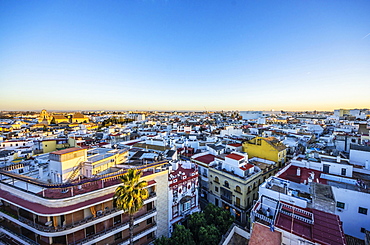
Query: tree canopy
{"type": "Point", "coordinates": [204, 228]}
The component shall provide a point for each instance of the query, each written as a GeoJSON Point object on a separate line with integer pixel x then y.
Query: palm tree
{"type": "Point", "coordinates": [130, 196]}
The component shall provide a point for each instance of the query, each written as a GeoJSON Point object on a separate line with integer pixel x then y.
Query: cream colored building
{"type": "Point", "coordinates": [233, 184]}
{"type": "Point", "coordinates": [66, 165]}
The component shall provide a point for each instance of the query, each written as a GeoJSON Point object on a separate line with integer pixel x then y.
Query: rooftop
{"type": "Point", "coordinates": [66, 151]}
{"type": "Point", "coordinates": [235, 156]}
{"type": "Point", "coordinates": [262, 235]}
{"type": "Point", "coordinates": [207, 159]}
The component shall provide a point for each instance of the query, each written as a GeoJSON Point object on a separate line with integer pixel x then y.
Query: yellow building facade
{"type": "Point", "coordinates": [267, 148]}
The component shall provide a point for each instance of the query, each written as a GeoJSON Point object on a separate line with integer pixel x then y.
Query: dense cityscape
{"type": "Point", "coordinates": [221, 177]}
{"type": "Point", "coordinates": [184, 122]}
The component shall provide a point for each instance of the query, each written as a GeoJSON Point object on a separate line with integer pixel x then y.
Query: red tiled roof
{"type": "Point", "coordinates": [207, 159]}
{"type": "Point", "coordinates": [291, 174]}
{"type": "Point", "coordinates": [151, 182]}
{"type": "Point", "coordinates": [66, 151]}
{"type": "Point", "coordinates": [132, 143]}
{"type": "Point", "coordinates": [235, 156]}
{"type": "Point", "coordinates": [326, 228]}
{"type": "Point", "coordinates": [235, 145]}
{"type": "Point", "coordinates": [247, 166]}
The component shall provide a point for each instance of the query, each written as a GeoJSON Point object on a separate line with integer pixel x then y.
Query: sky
{"type": "Point", "coordinates": [184, 55]}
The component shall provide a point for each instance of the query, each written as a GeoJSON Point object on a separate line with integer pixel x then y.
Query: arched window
{"type": "Point", "coordinates": [217, 180]}
{"type": "Point", "coordinates": [226, 184]}
{"type": "Point", "coordinates": [238, 189]}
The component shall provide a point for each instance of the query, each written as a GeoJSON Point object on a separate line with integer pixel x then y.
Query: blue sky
{"type": "Point", "coordinates": [184, 55]}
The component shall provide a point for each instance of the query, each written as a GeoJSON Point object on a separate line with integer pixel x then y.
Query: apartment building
{"type": "Point", "coordinates": [183, 192]}
{"type": "Point", "coordinates": [277, 222]}
{"type": "Point", "coordinates": [38, 208]}
{"type": "Point", "coordinates": [268, 148]}
{"type": "Point", "coordinates": [233, 184]}
{"type": "Point", "coordinates": [328, 184]}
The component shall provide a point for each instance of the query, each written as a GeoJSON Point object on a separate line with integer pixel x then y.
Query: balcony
{"type": "Point", "coordinates": [239, 206]}
{"type": "Point", "coordinates": [112, 229]}
{"type": "Point", "coordinates": [45, 228]}
{"type": "Point", "coordinates": [53, 229]}
{"type": "Point", "coordinates": [227, 199]}
{"type": "Point", "coordinates": [18, 237]}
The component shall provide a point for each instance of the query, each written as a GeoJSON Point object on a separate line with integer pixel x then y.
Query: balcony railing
{"type": "Point", "coordinates": [69, 226]}
{"type": "Point", "coordinates": [227, 199]}
{"type": "Point", "coordinates": [23, 238]}
{"type": "Point", "coordinates": [99, 234]}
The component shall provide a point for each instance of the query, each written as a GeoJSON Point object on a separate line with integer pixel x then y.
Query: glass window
{"type": "Point", "coordinates": [340, 204]}
{"type": "Point", "coordinates": [362, 210]}
{"type": "Point", "coordinates": [216, 189]}
{"type": "Point", "coordinates": [118, 236]}
{"type": "Point", "coordinates": [186, 206]}
{"type": "Point", "coordinates": [226, 184]}
{"type": "Point", "coordinates": [117, 219]}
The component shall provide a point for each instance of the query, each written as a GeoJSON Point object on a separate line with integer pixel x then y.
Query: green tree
{"type": "Point", "coordinates": [162, 241]}
{"type": "Point", "coordinates": [182, 236]}
{"type": "Point", "coordinates": [209, 235]}
{"type": "Point", "coordinates": [219, 217]}
{"type": "Point", "coordinates": [130, 196]}
{"type": "Point", "coordinates": [195, 222]}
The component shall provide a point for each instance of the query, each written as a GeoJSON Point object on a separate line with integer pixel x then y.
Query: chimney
{"type": "Point", "coordinates": [175, 165]}
{"type": "Point", "coordinates": [298, 172]}
{"type": "Point", "coordinates": [338, 159]}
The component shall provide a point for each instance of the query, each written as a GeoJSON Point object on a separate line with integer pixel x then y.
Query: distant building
{"type": "Point", "coordinates": [251, 115]}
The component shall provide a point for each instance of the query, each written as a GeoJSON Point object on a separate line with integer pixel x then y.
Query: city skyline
{"type": "Point", "coordinates": [184, 55]}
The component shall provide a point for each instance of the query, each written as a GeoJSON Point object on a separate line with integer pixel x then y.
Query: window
{"type": "Point", "coordinates": [217, 180]}
{"type": "Point", "coordinates": [344, 171]}
{"type": "Point", "coordinates": [216, 202]}
{"type": "Point", "coordinates": [118, 236]}
{"type": "Point", "coordinates": [226, 184]}
{"type": "Point", "coordinates": [340, 204]}
{"type": "Point", "coordinates": [205, 172]}
{"type": "Point", "coordinates": [149, 236]}
{"type": "Point", "coordinates": [326, 168]}
{"type": "Point", "coordinates": [16, 144]}
{"type": "Point", "coordinates": [117, 219]}
{"type": "Point", "coordinates": [149, 221]}
{"type": "Point", "coordinates": [149, 206]}
{"type": "Point", "coordinates": [186, 206]}
{"type": "Point", "coordinates": [238, 189]}
{"type": "Point", "coordinates": [216, 189]}
{"type": "Point", "coordinates": [90, 231]}
{"type": "Point", "coordinates": [362, 210]}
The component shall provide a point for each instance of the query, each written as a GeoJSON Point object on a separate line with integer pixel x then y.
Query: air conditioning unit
{"type": "Point", "coordinates": [100, 212]}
